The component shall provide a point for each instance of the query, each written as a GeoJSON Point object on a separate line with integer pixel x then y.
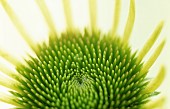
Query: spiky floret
{"type": "Point", "coordinates": [82, 69]}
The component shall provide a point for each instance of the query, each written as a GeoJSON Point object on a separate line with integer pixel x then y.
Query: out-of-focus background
{"type": "Point", "coordinates": [148, 14]}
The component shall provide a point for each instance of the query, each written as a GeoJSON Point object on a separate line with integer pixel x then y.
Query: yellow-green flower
{"type": "Point", "coordinates": [82, 69]}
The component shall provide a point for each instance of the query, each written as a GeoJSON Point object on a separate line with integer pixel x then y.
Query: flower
{"type": "Point", "coordinates": [88, 69]}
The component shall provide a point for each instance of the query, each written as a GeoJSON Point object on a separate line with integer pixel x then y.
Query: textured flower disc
{"type": "Point", "coordinates": [82, 71]}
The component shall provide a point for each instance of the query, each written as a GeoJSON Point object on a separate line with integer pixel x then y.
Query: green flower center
{"type": "Point", "coordinates": [82, 71]}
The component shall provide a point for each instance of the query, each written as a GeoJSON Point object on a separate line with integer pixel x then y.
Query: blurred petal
{"type": "Point", "coordinates": [116, 17]}
{"type": "Point", "coordinates": [68, 14]}
{"type": "Point", "coordinates": [93, 14]}
{"type": "Point", "coordinates": [150, 41]}
{"type": "Point", "coordinates": [156, 82]}
{"type": "Point", "coordinates": [152, 59]}
{"type": "Point", "coordinates": [130, 22]}
{"type": "Point", "coordinates": [19, 25]}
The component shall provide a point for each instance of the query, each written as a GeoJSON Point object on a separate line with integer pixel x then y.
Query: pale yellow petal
{"type": "Point", "coordinates": [116, 17]}
{"type": "Point", "coordinates": [9, 83]}
{"type": "Point", "coordinates": [6, 70]}
{"type": "Point", "coordinates": [18, 25]}
{"type": "Point", "coordinates": [150, 41]}
{"type": "Point", "coordinates": [93, 14]}
{"type": "Point", "coordinates": [11, 59]}
{"type": "Point", "coordinates": [9, 99]}
{"type": "Point", "coordinates": [152, 59]}
{"type": "Point", "coordinates": [156, 82]}
{"type": "Point", "coordinates": [47, 16]}
{"type": "Point", "coordinates": [68, 14]}
{"type": "Point", "coordinates": [130, 22]}
{"type": "Point", "coordinates": [156, 104]}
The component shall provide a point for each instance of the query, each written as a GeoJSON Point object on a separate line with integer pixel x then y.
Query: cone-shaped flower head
{"type": "Point", "coordinates": [87, 70]}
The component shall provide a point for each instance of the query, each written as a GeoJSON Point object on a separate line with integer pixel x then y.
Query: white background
{"type": "Point", "coordinates": [148, 14]}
